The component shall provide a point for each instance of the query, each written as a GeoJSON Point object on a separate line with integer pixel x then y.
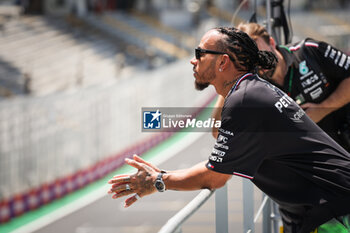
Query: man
{"type": "Point", "coordinates": [314, 74]}
{"type": "Point", "coordinates": [264, 136]}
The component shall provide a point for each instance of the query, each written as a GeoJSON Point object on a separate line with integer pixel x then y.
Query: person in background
{"type": "Point", "coordinates": [264, 137]}
{"type": "Point", "coordinates": [314, 74]}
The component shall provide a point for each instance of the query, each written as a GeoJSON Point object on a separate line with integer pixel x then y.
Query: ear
{"type": "Point", "coordinates": [224, 62]}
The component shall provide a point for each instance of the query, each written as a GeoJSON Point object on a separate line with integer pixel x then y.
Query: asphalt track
{"type": "Point", "coordinates": [106, 215]}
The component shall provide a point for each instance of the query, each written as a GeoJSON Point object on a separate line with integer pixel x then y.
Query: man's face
{"type": "Point", "coordinates": [204, 66]}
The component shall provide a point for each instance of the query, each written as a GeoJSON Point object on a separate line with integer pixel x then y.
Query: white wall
{"type": "Point", "coordinates": [44, 138]}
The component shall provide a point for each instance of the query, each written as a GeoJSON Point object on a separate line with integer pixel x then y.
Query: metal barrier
{"type": "Point", "coordinates": [267, 210]}
{"type": "Point", "coordinates": [174, 224]}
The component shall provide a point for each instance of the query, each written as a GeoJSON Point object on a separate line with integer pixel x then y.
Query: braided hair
{"type": "Point", "coordinates": [249, 57]}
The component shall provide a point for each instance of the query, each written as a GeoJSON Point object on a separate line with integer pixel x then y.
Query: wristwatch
{"type": "Point", "coordinates": [159, 184]}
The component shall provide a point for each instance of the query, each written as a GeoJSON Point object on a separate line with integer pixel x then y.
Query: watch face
{"type": "Point", "coordinates": [159, 186]}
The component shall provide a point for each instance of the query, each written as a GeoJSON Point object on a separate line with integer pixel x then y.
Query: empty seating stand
{"type": "Point", "coordinates": [42, 55]}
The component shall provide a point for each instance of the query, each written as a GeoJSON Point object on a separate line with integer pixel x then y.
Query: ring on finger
{"type": "Point", "coordinates": [137, 196]}
{"type": "Point", "coordinates": [127, 187]}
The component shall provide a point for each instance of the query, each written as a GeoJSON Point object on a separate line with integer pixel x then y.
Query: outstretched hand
{"type": "Point", "coordinates": [140, 183]}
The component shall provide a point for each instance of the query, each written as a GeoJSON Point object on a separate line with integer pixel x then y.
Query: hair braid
{"type": "Point", "coordinates": [246, 51]}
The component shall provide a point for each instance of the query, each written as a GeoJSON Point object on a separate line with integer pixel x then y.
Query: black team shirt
{"type": "Point", "coordinates": [315, 69]}
{"type": "Point", "coordinates": [266, 137]}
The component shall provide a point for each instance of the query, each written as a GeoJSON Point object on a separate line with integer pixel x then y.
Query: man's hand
{"type": "Point", "coordinates": [339, 98]}
{"type": "Point", "coordinates": [141, 183]}
{"type": "Point", "coordinates": [315, 111]}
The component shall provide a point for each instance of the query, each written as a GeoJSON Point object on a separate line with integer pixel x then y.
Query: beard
{"type": "Point", "coordinates": [203, 78]}
{"type": "Point", "coordinates": [200, 86]}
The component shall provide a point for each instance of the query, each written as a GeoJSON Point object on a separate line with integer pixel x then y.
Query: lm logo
{"type": "Point", "coordinates": [152, 120]}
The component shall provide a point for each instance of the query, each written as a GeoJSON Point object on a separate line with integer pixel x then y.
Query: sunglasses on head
{"type": "Point", "coordinates": [198, 53]}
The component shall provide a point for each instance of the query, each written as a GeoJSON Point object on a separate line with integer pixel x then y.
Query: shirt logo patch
{"type": "Point", "coordinates": [224, 131]}
{"type": "Point", "coordinates": [210, 165]}
{"type": "Point", "coordinates": [303, 69]}
{"type": "Point", "coordinates": [222, 139]}
{"type": "Point", "coordinates": [218, 152]}
{"type": "Point", "coordinates": [217, 159]}
{"type": "Point", "coordinates": [316, 93]}
{"type": "Point", "coordinates": [283, 102]}
{"type": "Point", "coordinates": [297, 116]}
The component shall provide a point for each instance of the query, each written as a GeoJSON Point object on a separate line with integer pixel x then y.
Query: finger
{"type": "Point", "coordinates": [134, 164]}
{"type": "Point", "coordinates": [121, 176]}
{"type": "Point", "coordinates": [117, 187]}
{"type": "Point", "coordinates": [140, 160]}
{"type": "Point", "coordinates": [305, 106]}
{"type": "Point", "coordinates": [118, 184]}
{"type": "Point", "coordinates": [119, 179]}
{"type": "Point", "coordinates": [130, 201]}
{"type": "Point", "coordinates": [122, 194]}
{"type": "Point", "coordinates": [120, 188]}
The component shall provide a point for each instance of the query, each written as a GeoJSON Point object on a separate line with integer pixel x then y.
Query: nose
{"type": "Point", "coordinates": [193, 61]}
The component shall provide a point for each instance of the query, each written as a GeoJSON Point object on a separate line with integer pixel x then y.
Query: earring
{"type": "Point", "coordinates": [220, 70]}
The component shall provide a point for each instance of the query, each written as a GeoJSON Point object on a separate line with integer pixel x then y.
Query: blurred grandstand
{"type": "Point", "coordinates": [60, 51]}
{"type": "Point", "coordinates": [54, 46]}
{"type": "Point", "coordinates": [75, 74]}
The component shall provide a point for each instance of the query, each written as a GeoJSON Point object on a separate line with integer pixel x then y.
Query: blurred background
{"type": "Point", "coordinates": [74, 76]}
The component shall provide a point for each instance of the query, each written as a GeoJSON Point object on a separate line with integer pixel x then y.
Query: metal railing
{"type": "Point", "coordinates": [174, 224]}
{"type": "Point", "coordinates": [267, 210]}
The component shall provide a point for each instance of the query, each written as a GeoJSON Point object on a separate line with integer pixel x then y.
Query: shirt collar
{"type": "Point", "coordinates": [287, 55]}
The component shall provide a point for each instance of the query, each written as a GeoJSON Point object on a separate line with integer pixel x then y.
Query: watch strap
{"type": "Point", "coordinates": [160, 176]}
